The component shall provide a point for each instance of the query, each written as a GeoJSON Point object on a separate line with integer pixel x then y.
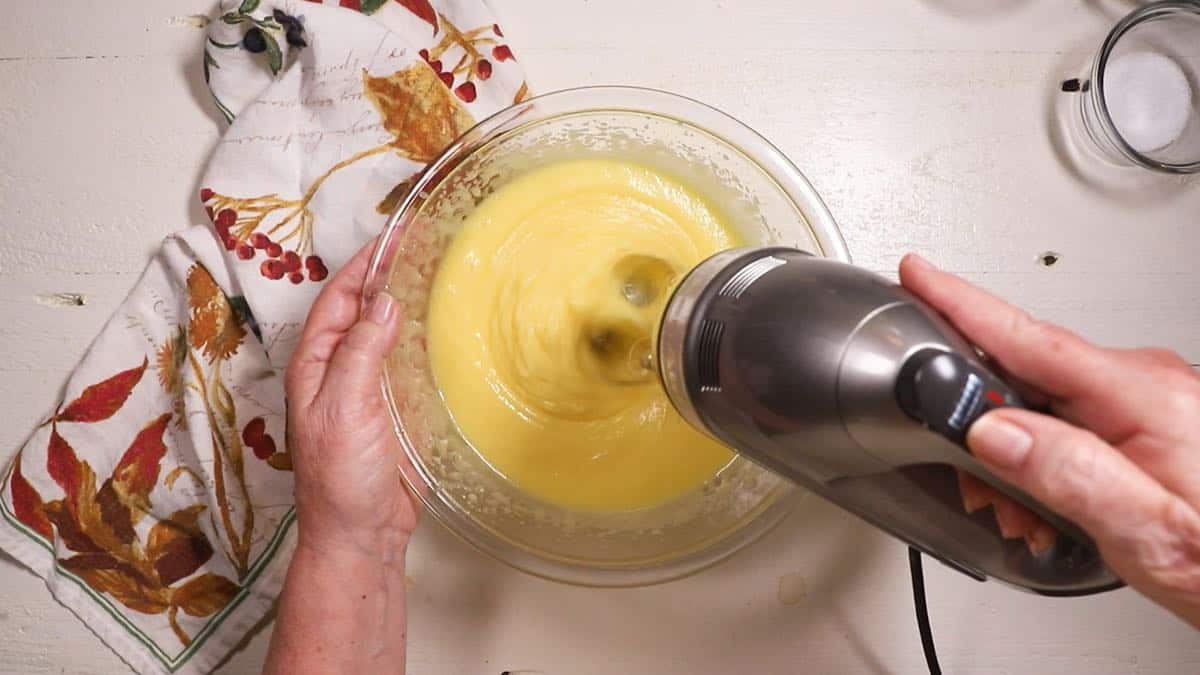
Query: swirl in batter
{"type": "Point", "coordinates": [541, 309]}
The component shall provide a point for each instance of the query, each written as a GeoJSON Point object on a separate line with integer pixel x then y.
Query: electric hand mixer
{"type": "Point", "coordinates": [851, 387]}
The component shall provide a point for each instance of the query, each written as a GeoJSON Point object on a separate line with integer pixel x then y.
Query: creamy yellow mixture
{"type": "Point", "coordinates": [532, 333]}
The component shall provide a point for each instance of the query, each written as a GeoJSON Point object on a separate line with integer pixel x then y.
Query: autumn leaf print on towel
{"type": "Point", "coordinates": [418, 113]}
{"type": "Point", "coordinates": [96, 524]}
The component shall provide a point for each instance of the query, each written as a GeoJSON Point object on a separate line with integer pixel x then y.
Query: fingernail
{"type": "Point", "coordinates": [974, 495]}
{"type": "Point", "coordinates": [381, 309]}
{"type": "Point", "coordinates": [1000, 442]}
{"type": "Point", "coordinates": [973, 502]}
{"type": "Point", "coordinates": [1041, 539]}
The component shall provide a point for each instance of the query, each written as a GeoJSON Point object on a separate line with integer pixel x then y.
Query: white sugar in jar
{"type": "Point", "coordinates": [1149, 99]}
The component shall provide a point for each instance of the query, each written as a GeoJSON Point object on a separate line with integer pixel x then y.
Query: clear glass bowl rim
{"type": "Point", "coordinates": [753, 146]}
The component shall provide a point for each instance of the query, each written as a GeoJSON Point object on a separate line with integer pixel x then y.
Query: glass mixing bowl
{"type": "Point", "coordinates": [761, 194]}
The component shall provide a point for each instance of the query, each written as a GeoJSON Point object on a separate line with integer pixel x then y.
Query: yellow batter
{"type": "Point", "coordinates": [529, 322]}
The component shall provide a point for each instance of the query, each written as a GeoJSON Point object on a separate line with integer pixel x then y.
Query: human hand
{"type": "Point", "coordinates": [349, 493]}
{"type": "Point", "coordinates": [342, 608]}
{"type": "Point", "coordinates": [1122, 459]}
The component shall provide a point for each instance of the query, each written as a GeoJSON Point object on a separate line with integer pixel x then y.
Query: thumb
{"type": "Point", "coordinates": [1070, 470]}
{"type": "Point", "coordinates": [357, 363]}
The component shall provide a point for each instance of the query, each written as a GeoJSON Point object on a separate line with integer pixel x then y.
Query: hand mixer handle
{"type": "Point", "coordinates": [947, 393]}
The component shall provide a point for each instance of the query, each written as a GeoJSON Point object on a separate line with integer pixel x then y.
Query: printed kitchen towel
{"type": "Point", "coordinates": [156, 498]}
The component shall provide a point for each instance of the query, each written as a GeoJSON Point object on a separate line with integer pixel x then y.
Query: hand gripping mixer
{"type": "Point", "coordinates": [846, 384]}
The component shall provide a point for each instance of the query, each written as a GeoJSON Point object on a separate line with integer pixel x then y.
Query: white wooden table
{"type": "Point", "coordinates": [923, 123]}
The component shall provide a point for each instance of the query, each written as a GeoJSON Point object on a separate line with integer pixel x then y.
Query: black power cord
{"type": "Point", "coordinates": [918, 585]}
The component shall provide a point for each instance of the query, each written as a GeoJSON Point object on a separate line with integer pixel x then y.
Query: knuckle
{"type": "Point", "coordinates": [1181, 394]}
{"type": "Point", "coordinates": [343, 415]}
{"type": "Point", "coordinates": [330, 418]}
{"type": "Point", "coordinates": [1051, 337]}
{"type": "Point", "coordinates": [1057, 340]}
{"type": "Point", "coordinates": [1168, 550]}
{"type": "Point", "coordinates": [314, 422]}
{"type": "Point", "coordinates": [1161, 357]}
{"type": "Point", "coordinates": [1021, 322]}
{"type": "Point", "coordinates": [1038, 328]}
{"type": "Point", "coordinates": [1070, 472]}
{"type": "Point", "coordinates": [338, 417]}
{"type": "Point", "coordinates": [361, 337]}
